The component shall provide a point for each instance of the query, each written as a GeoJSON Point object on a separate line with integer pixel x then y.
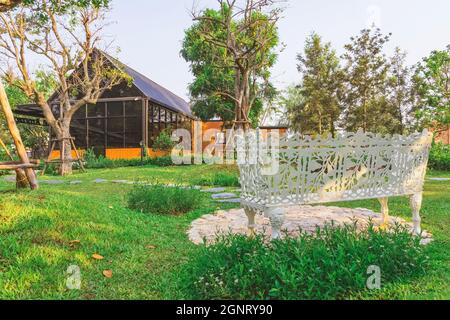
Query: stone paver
{"type": "Point", "coordinates": [52, 182]}
{"type": "Point", "coordinates": [100, 181]}
{"type": "Point", "coordinates": [224, 196]}
{"type": "Point", "coordinates": [76, 182]}
{"type": "Point", "coordinates": [122, 181]}
{"type": "Point", "coordinates": [10, 178]}
{"type": "Point", "coordinates": [439, 179]}
{"type": "Point", "coordinates": [214, 190]}
{"type": "Point", "coordinates": [230, 201]}
{"type": "Point", "coordinates": [306, 218]}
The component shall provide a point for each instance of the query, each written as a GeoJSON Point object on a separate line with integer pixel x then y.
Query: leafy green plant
{"type": "Point", "coordinates": [219, 179]}
{"type": "Point", "coordinates": [440, 157]}
{"type": "Point", "coordinates": [100, 162]}
{"type": "Point", "coordinates": [164, 141]}
{"type": "Point", "coordinates": [330, 264]}
{"type": "Point", "coordinates": [160, 199]}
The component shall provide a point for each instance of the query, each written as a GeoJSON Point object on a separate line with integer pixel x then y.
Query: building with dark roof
{"type": "Point", "coordinates": [123, 117]}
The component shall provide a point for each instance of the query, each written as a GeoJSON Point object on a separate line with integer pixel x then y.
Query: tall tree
{"type": "Point", "coordinates": [400, 92]}
{"type": "Point", "coordinates": [213, 72]}
{"type": "Point", "coordinates": [34, 137]}
{"type": "Point", "coordinates": [65, 33]}
{"type": "Point", "coordinates": [365, 101]}
{"type": "Point", "coordinates": [432, 82]}
{"type": "Point", "coordinates": [27, 176]}
{"type": "Point", "coordinates": [243, 36]}
{"type": "Point", "coordinates": [319, 108]}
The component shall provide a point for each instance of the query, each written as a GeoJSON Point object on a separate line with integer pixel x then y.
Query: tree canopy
{"type": "Point", "coordinates": [317, 107]}
{"type": "Point", "coordinates": [231, 51]}
{"type": "Point", "coordinates": [432, 80]}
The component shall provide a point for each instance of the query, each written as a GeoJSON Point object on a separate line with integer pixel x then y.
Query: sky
{"type": "Point", "coordinates": [149, 33]}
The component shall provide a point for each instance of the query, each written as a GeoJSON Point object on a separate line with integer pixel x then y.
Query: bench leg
{"type": "Point", "coordinates": [416, 203]}
{"type": "Point", "coordinates": [251, 220]}
{"type": "Point", "coordinates": [276, 216]}
{"type": "Point", "coordinates": [384, 211]}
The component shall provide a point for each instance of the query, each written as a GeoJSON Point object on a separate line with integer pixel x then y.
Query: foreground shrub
{"type": "Point", "coordinates": [440, 157]}
{"type": "Point", "coordinates": [161, 199]}
{"type": "Point", "coordinates": [328, 265]}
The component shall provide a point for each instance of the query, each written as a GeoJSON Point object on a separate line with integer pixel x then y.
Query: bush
{"type": "Point", "coordinates": [330, 264]}
{"type": "Point", "coordinates": [160, 199]}
{"type": "Point", "coordinates": [94, 162]}
{"type": "Point", "coordinates": [440, 157]}
{"type": "Point", "coordinates": [219, 179]}
{"type": "Point", "coordinates": [164, 141]}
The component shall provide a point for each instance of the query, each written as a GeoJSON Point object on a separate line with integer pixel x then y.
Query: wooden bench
{"type": "Point", "coordinates": [299, 170]}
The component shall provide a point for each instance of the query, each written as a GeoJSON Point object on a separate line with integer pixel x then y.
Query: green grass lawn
{"type": "Point", "coordinates": [143, 250]}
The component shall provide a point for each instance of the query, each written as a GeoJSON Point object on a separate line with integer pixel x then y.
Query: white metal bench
{"type": "Point", "coordinates": [354, 166]}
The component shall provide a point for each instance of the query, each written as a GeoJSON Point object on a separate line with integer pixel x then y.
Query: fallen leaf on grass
{"type": "Point", "coordinates": [97, 256]}
{"type": "Point", "coordinates": [74, 243]}
{"type": "Point", "coordinates": [151, 247]}
{"type": "Point", "coordinates": [108, 273]}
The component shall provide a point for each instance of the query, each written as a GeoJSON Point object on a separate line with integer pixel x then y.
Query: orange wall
{"type": "Point", "coordinates": [133, 153]}
{"type": "Point", "coordinates": [115, 154]}
{"type": "Point", "coordinates": [443, 136]}
{"type": "Point", "coordinates": [56, 155]}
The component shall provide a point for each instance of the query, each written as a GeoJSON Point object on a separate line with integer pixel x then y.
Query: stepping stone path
{"type": "Point", "coordinates": [230, 201]}
{"type": "Point", "coordinates": [122, 181]}
{"type": "Point", "coordinates": [214, 190]}
{"type": "Point", "coordinates": [100, 181]}
{"type": "Point", "coordinates": [306, 218]}
{"type": "Point", "coordinates": [224, 196]}
{"type": "Point", "coordinates": [10, 179]}
{"type": "Point", "coordinates": [52, 182]}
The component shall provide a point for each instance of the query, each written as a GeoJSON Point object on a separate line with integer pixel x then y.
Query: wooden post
{"type": "Point", "coordinates": [15, 134]}
{"type": "Point", "coordinates": [21, 178]}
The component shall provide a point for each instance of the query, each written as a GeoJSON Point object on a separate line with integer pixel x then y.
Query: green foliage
{"type": "Point", "coordinates": [164, 142]}
{"type": "Point", "coordinates": [34, 137]}
{"type": "Point", "coordinates": [100, 162]}
{"type": "Point", "coordinates": [432, 83]}
{"type": "Point", "coordinates": [439, 157]}
{"type": "Point", "coordinates": [330, 264]}
{"type": "Point", "coordinates": [370, 91]}
{"type": "Point", "coordinates": [366, 71]}
{"type": "Point", "coordinates": [218, 179]}
{"type": "Point", "coordinates": [318, 110]}
{"type": "Point", "coordinates": [214, 66]}
{"type": "Point", "coordinates": [160, 199]}
{"type": "Point", "coordinates": [402, 96]}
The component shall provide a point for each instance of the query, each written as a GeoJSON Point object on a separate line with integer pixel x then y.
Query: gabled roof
{"type": "Point", "coordinates": [152, 90]}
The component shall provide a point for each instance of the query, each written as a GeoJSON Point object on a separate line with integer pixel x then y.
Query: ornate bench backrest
{"type": "Point", "coordinates": [351, 166]}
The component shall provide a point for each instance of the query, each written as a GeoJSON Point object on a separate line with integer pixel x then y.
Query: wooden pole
{"type": "Point", "coordinates": [21, 178]}
{"type": "Point", "coordinates": [15, 134]}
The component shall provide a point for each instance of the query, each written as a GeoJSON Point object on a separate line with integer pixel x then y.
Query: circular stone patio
{"type": "Point", "coordinates": [306, 218]}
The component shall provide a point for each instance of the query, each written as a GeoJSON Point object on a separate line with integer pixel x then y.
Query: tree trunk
{"type": "Point", "coordinates": [65, 145]}
{"type": "Point", "coordinates": [15, 134]}
{"type": "Point", "coordinates": [21, 178]}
